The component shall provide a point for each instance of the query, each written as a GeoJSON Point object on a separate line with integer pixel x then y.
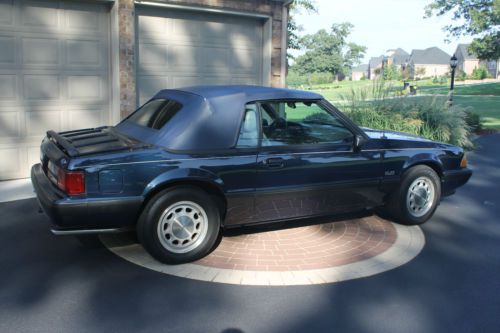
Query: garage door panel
{"type": "Point", "coordinates": [243, 60]}
{"type": "Point", "coordinates": [184, 57]}
{"type": "Point", "coordinates": [41, 87]}
{"type": "Point", "coordinates": [40, 51]}
{"type": "Point", "coordinates": [38, 122]}
{"type": "Point", "coordinates": [85, 87]}
{"type": "Point", "coordinates": [8, 47]}
{"type": "Point", "coordinates": [215, 59]}
{"type": "Point", "coordinates": [150, 85]}
{"type": "Point", "coordinates": [85, 118]}
{"type": "Point", "coordinates": [40, 14]}
{"type": "Point", "coordinates": [153, 54]}
{"type": "Point", "coordinates": [183, 30]}
{"type": "Point", "coordinates": [9, 125]}
{"type": "Point", "coordinates": [214, 33]}
{"type": "Point", "coordinates": [152, 25]}
{"type": "Point", "coordinates": [243, 34]}
{"type": "Point", "coordinates": [8, 87]}
{"type": "Point", "coordinates": [88, 53]}
{"type": "Point", "coordinates": [185, 81]}
{"type": "Point", "coordinates": [11, 160]}
{"type": "Point", "coordinates": [6, 12]}
{"type": "Point", "coordinates": [82, 17]}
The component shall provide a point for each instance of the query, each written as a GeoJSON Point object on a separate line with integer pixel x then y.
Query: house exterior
{"type": "Point", "coordinates": [359, 72]}
{"type": "Point", "coordinates": [398, 57]}
{"type": "Point", "coordinates": [467, 62]}
{"type": "Point", "coordinates": [375, 67]}
{"type": "Point", "coordinates": [428, 63]}
{"type": "Point", "coordinates": [74, 64]}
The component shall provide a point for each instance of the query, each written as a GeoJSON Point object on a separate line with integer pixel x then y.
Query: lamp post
{"type": "Point", "coordinates": [453, 65]}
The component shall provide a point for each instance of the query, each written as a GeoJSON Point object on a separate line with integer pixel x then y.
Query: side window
{"type": "Point", "coordinates": [298, 123]}
{"type": "Point", "coordinates": [155, 113]}
{"type": "Point", "coordinates": [249, 132]}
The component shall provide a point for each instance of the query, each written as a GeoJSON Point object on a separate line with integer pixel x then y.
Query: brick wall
{"type": "Point", "coordinates": [126, 41]}
{"type": "Point", "coordinates": [126, 24]}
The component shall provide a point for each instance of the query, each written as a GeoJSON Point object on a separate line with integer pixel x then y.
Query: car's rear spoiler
{"type": "Point", "coordinates": [90, 141]}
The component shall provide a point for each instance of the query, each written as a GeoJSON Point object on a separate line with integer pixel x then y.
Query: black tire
{"type": "Point", "coordinates": [397, 205]}
{"type": "Point", "coordinates": [153, 213]}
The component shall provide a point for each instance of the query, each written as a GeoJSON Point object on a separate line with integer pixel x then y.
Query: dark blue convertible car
{"type": "Point", "coordinates": [192, 161]}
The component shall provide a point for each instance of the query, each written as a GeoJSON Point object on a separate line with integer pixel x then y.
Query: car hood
{"type": "Point", "coordinates": [398, 140]}
{"type": "Point", "coordinates": [391, 135]}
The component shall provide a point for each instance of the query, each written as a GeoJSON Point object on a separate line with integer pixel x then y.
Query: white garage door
{"type": "Point", "coordinates": [181, 48]}
{"type": "Point", "coordinates": [54, 74]}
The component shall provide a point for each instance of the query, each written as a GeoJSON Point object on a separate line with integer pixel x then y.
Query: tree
{"type": "Point", "coordinates": [392, 72]}
{"type": "Point", "coordinates": [329, 51]}
{"type": "Point", "coordinates": [293, 29]}
{"type": "Point", "coordinates": [479, 18]}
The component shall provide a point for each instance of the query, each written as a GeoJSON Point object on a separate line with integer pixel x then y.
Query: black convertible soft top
{"type": "Point", "coordinates": [210, 116]}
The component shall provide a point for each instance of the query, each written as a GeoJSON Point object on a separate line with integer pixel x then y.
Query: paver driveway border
{"type": "Point", "coordinates": [409, 242]}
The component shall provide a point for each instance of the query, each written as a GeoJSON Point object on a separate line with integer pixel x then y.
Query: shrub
{"type": "Point", "coordinates": [294, 79]}
{"type": "Point", "coordinates": [480, 73]}
{"type": "Point", "coordinates": [430, 117]}
{"type": "Point", "coordinates": [460, 75]}
{"type": "Point", "coordinates": [473, 120]}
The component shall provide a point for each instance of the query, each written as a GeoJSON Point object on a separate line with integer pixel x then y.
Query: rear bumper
{"type": "Point", "coordinates": [72, 214]}
{"type": "Point", "coordinates": [454, 179]}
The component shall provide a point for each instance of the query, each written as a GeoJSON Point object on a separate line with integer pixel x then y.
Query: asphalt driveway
{"type": "Point", "coordinates": [50, 284]}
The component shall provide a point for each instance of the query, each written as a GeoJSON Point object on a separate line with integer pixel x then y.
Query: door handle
{"type": "Point", "coordinates": [276, 162]}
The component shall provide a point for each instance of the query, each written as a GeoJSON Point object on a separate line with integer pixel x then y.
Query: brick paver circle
{"type": "Point", "coordinates": [313, 254]}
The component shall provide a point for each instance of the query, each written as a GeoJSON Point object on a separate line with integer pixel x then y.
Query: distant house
{"type": "Point", "coordinates": [467, 61]}
{"type": "Point", "coordinates": [398, 57]}
{"type": "Point", "coordinates": [429, 62]}
{"type": "Point", "coordinates": [375, 67]}
{"type": "Point", "coordinates": [359, 72]}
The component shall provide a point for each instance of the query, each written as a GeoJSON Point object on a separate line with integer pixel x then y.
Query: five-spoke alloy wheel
{"type": "Point", "coordinates": [417, 196]}
{"type": "Point", "coordinates": [180, 224]}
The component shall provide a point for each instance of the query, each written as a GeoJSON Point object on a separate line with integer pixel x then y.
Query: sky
{"type": "Point", "coordinates": [383, 24]}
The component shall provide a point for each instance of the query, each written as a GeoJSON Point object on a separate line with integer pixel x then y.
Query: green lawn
{"type": "Point", "coordinates": [488, 107]}
{"type": "Point", "coordinates": [477, 89]}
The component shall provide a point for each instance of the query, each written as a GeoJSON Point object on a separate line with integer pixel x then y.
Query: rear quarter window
{"type": "Point", "coordinates": [155, 113]}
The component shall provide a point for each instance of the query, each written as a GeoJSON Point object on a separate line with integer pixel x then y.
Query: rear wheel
{"type": "Point", "coordinates": [417, 197]}
{"type": "Point", "coordinates": [179, 225]}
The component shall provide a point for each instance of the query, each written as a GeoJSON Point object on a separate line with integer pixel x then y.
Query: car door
{"type": "Point", "coordinates": [307, 163]}
{"type": "Point", "coordinates": [239, 175]}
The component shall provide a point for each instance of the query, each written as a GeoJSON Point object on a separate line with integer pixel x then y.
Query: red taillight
{"type": "Point", "coordinates": [71, 182]}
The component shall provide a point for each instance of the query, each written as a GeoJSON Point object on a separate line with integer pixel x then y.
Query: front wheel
{"type": "Point", "coordinates": [417, 197]}
{"type": "Point", "coordinates": [179, 225]}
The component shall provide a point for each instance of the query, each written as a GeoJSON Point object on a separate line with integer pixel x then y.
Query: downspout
{"type": "Point", "coordinates": [284, 41]}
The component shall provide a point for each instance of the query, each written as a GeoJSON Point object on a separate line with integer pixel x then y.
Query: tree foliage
{"type": "Point", "coordinates": [479, 18]}
{"type": "Point", "coordinates": [309, 6]}
{"type": "Point", "coordinates": [329, 52]}
{"type": "Point", "coordinates": [392, 72]}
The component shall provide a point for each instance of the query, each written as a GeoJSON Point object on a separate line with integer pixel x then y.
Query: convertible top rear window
{"type": "Point", "coordinates": [155, 113]}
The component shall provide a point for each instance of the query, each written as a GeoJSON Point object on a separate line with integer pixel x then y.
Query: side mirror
{"type": "Point", "coordinates": [359, 140]}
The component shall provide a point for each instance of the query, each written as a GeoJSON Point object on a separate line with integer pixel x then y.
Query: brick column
{"type": "Point", "coordinates": [276, 56]}
{"type": "Point", "coordinates": [126, 43]}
